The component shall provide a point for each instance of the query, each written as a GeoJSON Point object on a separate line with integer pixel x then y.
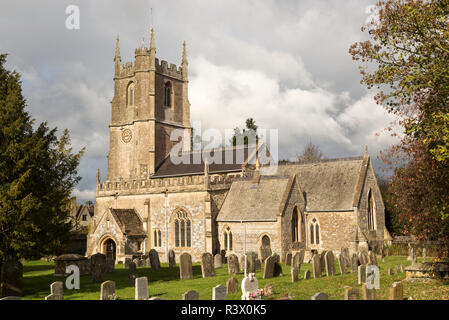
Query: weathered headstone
{"type": "Point", "coordinates": [320, 296]}
{"type": "Point", "coordinates": [57, 289]}
{"type": "Point", "coordinates": [223, 256]}
{"type": "Point", "coordinates": [97, 267]}
{"type": "Point", "coordinates": [249, 285]}
{"type": "Point", "coordinates": [191, 295]}
{"type": "Point", "coordinates": [361, 274]}
{"type": "Point", "coordinates": [110, 265]}
{"type": "Point", "coordinates": [316, 265]}
{"type": "Point", "coordinates": [219, 292]}
{"type": "Point", "coordinates": [258, 264]}
{"type": "Point", "coordinates": [330, 263]}
{"type": "Point", "coordinates": [294, 274]}
{"type": "Point", "coordinates": [233, 264]}
{"type": "Point", "coordinates": [51, 296]}
{"type": "Point", "coordinates": [154, 259]}
{"type": "Point", "coordinates": [413, 254]}
{"type": "Point", "coordinates": [368, 294]}
{"type": "Point", "coordinates": [207, 265]}
{"type": "Point", "coordinates": [372, 259]}
{"type": "Point", "coordinates": [345, 253]}
{"type": "Point", "coordinates": [141, 290]}
{"type": "Point", "coordinates": [342, 264]}
{"type": "Point", "coordinates": [363, 257]}
{"type": "Point", "coordinates": [288, 259]}
{"type": "Point", "coordinates": [107, 289]}
{"type": "Point", "coordinates": [15, 298]}
{"type": "Point", "coordinates": [268, 270]}
{"type": "Point", "coordinates": [396, 269]}
{"type": "Point", "coordinates": [218, 261]}
{"type": "Point", "coordinates": [390, 272]}
{"type": "Point", "coordinates": [354, 263]}
{"type": "Point", "coordinates": [323, 262]}
{"type": "Point", "coordinates": [185, 266]}
{"type": "Point", "coordinates": [171, 259]}
{"type": "Point", "coordinates": [298, 259]}
{"type": "Point", "coordinates": [250, 265]}
{"type": "Point", "coordinates": [232, 285]}
{"type": "Point", "coordinates": [132, 272]}
{"type": "Point", "coordinates": [307, 275]}
{"type": "Point", "coordinates": [397, 291]}
{"type": "Point", "coordinates": [351, 293]}
{"type": "Point", "coordinates": [127, 262]}
{"type": "Point", "coordinates": [402, 268]}
{"type": "Point", "coordinates": [264, 252]}
{"type": "Point", "coordinates": [424, 254]}
{"type": "Point", "coordinates": [268, 289]}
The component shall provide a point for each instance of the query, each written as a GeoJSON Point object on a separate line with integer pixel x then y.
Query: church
{"type": "Point", "coordinates": [149, 202]}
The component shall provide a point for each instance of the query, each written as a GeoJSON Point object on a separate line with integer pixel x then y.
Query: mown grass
{"type": "Point", "coordinates": [165, 283]}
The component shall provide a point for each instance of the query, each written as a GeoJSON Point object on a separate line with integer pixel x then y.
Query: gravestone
{"type": "Point", "coordinates": [396, 269]}
{"type": "Point", "coordinates": [402, 268]}
{"type": "Point", "coordinates": [294, 274]}
{"type": "Point", "coordinates": [57, 289]}
{"type": "Point", "coordinates": [218, 261]}
{"type": "Point", "coordinates": [354, 263]}
{"type": "Point", "coordinates": [372, 259]}
{"type": "Point", "coordinates": [110, 265]}
{"type": "Point", "coordinates": [264, 252]}
{"type": "Point", "coordinates": [127, 262]}
{"type": "Point", "coordinates": [268, 289]}
{"type": "Point", "coordinates": [397, 291]}
{"type": "Point", "coordinates": [154, 259]}
{"type": "Point", "coordinates": [298, 259]}
{"type": "Point", "coordinates": [132, 272]}
{"type": "Point", "coordinates": [233, 264]}
{"type": "Point", "coordinates": [140, 262]}
{"type": "Point", "coordinates": [232, 285]}
{"type": "Point", "coordinates": [268, 270]}
{"type": "Point", "coordinates": [97, 267]}
{"type": "Point", "coordinates": [51, 296]}
{"type": "Point", "coordinates": [251, 258]}
{"type": "Point", "coordinates": [351, 293]}
{"type": "Point", "coordinates": [219, 292]}
{"type": "Point", "coordinates": [368, 294]}
{"type": "Point", "coordinates": [413, 254]}
{"type": "Point", "coordinates": [342, 264]}
{"type": "Point", "coordinates": [249, 285]}
{"type": "Point", "coordinates": [191, 295]}
{"type": "Point", "coordinates": [330, 263]}
{"type": "Point", "coordinates": [223, 256]}
{"type": "Point", "coordinates": [307, 275]}
{"type": "Point", "coordinates": [390, 272]}
{"type": "Point", "coordinates": [171, 259]}
{"type": "Point", "coordinates": [322, 262]}
{"type": "Point", "coordinates": [288, 259]}
{"type": "Point", "coordinates": [345, 252]}
{"type": "Point", "coordinates": [277, 268]}
{"type": "Point", "coordinates": [316, 265]}
{"type": "Point", "coordinates": [361, 274]}
{"type": "Point", "coordinates": [363, 257]}
{"type": "Point", "coordinates": [107, 289]}
{"type": "Point", "coordinates": [320, 296]}
{"type": "Point", "coordinates": [258, 264]}
{"type": "Point", "coordinates": [141, 290]}
{"type": "Point", "coordinates": [424, 254]}
{"type": "Point", "coordinates": [207, 265]}
{"type": "Point", "coordinates": [185, 266]}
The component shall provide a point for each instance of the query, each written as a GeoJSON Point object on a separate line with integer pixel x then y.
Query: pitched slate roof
{"type": "Point", "coordinates": [195, 166]}
{"type": "Point", "coordinates": [249, 201]}
{"type": "Point", "coordinates": [328, 185]}
{"type": "Point", "coordinates": [128, 221]}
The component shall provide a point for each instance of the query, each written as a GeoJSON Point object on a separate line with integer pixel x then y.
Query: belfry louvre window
{"type": "Point", "coordinates": [182, 230]}
{"type": "Point", "coordinates": [314, 232]}
{"type": "Point", "coordinates": [131, 94]}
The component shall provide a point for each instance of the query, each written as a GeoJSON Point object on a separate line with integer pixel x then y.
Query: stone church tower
{"type": "Point", "coordinates": [150, 101]}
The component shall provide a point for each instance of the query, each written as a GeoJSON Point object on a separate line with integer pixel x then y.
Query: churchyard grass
{"type": "Point", "coordinates": [165, 283]}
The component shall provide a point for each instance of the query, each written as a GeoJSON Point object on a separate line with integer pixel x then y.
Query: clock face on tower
{"type": "Point", "coordinates": [126, 135]}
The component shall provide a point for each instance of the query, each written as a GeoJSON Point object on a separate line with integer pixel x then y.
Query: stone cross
{"type": "Point", "coordinates": [233, 264]}
{"type": "Point", "coordinates": [207, 265]}
{"type": "Point", "coordinates": [368, 294]}
{"type": "Point", "coordinates": [107, 289]}
{"type": "Point", "coordinates": [218, 261]}
{"type": "Point", "coordinates": [351, 293]}
{"type": "Point", "coordinates": [397, 291]}
{"type": "Point", "coordinates": [185, 266]}
{"type": "Point", "coordinates": [219, 292]}
{"type": "Point", "coordinates": [190, 295]}
{"type": "Point", "coordinates": [141, 289]}
{"type": "Point", "coordinates": [320, 296]}
{"type": "Point", "coordinates": [232, 285]}
{"type": "Point", "coordinates": [361, 274]}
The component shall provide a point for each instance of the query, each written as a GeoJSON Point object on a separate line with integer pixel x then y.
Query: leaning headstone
{"type": "Point", "coordinates": [295, 274]}
{"type": "Point", "coordinates": [354, 263]}
{"type": "Point", "coordinates": [141, 292]}
{"type": "Point", "coordinates": [330, 263]}
{"type": "Point", "coordinates": [232, 285]}
{"type": "Point", "coordinates": [288, 259]}
{"type": "Point", "coordinates": [372, 259]}
{"type": "Point", "coordinates": [345, 253]}
{"type": "Point", "coordinates": [127, 262]}
{"type": "Point", "coordinates": [249, 285]}
{"type": "Point", "coordinates": [307, 275]}
{"type": "Point", "coordinates": [397, 291]}
{"type": "Point", "coordinates": [268, 270]}
{"type": "Point", "coordinates": [132, 272]}
{"type": "Point", "coordinates": [154, 259]}
{"type": "Point", "coordinates": [218, 261]}
{"type": "Point", "coordinates": [298, 259]}
{"type": "Point", "coordinates": [233, 264]}
{"type": "Point", "coordinates": [185, 266]}
{"type": "Point", "coordinates": [191, 295]}
{"type": "Point", "coordinates": [57, 289]}
{"type": "Point", "coordinates": [320, 296]}
{"type": "Point", "coordinates": [219, 292]}
{"type": "Point", "coordinates": [342, 264]}
{"type": "Point", "coordinates": [361, 274]}
{"type": "Point", "coordinates": [316, 264]}
{"type": "Point", "coordinates": [207, 265]}
{"type": "Point", "coordinates": [97, 267]}
{"type": "Point", "coordinates": [368, 294]}
{"type": "Point", "coordinates": [107, 289]}
{"type": "Point", "coordinates": [363, 257]}
{"type": "Point", "coordinates": [351, 293]}
{"type": "Point", "coordinates": [171, 259]}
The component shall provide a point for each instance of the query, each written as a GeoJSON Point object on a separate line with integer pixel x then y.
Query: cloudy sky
{"type": "Point", "coordinates": [284, 63]}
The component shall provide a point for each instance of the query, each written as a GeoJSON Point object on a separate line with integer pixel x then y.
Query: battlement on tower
{"type": "Point", "coordinates": [173, 71]}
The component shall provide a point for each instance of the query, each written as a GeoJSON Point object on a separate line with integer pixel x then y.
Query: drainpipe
{"type": "Point", "coordinates": [166, 224]}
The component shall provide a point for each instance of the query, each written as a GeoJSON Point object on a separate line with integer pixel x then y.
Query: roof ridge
{"type": "Point", "coordinates": [321, 161]}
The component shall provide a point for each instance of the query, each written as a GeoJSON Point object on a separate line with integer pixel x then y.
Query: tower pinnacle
{"type": "Point", "coordinates": [117, 51]}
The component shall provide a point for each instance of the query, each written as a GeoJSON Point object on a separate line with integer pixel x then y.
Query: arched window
{"type": "Point", "coordinates": [227, 239]}
{"type": "Point", "coordinates": [295, 233]}
{"type": "Point", "coordinates": [167, 94]}
{"type": "Point", "coordinates": [130, 94]}
{"type": "Point", "coordinates": [371, 211]}
{"type": "Point", "coordinates": [157, 235]}
{"type": "Point", "coordinates": [182, 229]}
{"type": "Point", "coordinates": [314, 232]}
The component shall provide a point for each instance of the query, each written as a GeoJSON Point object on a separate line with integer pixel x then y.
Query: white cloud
{"type": "Point", "coordinates": [83, 195]}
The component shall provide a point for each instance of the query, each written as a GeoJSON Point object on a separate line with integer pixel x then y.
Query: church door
{"type": "Point", "coordinates": [109, 249]}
